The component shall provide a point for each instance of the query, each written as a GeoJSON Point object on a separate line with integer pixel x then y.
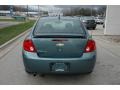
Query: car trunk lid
{"type": "Point", "coordinates": [60, 46]}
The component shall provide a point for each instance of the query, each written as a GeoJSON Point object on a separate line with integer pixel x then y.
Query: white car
{"type": "Point", "coordinates": [99, 20]}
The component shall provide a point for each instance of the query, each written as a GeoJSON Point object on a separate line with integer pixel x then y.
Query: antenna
{"type": "Point", "coordinates": [59, 17]}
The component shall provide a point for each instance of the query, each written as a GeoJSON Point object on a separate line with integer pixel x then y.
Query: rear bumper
{"type": "Point", "coordinates": [35, 64]}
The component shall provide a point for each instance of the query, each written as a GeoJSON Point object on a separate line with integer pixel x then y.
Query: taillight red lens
{"type": "Point", "coordinates": [29, 46]}
{"type": "Point", "coordinates": [91, 46]}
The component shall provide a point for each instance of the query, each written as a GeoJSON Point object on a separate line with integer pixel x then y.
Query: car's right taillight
{"type": "Point", "coordinates": [29, 46]}
{"type": "Point", "coordinates": [90, 46]}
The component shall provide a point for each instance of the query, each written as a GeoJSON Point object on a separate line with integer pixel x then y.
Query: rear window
{"type": "Point", "coordinates": [59, 27]}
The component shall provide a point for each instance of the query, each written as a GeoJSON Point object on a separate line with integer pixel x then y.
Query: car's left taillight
{"type": "Point", "coordinates": [28, 45]}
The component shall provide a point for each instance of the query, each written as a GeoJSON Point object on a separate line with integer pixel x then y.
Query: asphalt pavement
{"type": "Point", "coordinates": [106, 71]}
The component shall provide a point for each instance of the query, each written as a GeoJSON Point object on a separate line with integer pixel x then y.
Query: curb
{"type": "Point", "coordinates": [13, 39]}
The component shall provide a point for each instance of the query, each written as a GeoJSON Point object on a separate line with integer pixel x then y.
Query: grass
{"type": "Point", "coordinates": [10, 32]}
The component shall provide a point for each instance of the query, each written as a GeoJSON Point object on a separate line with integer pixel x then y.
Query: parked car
{"type": "Point", "coordinates": [104, 25]}
{"type": "Point", "coordinates": [99, 20]}
{"type": "Point", "coordinates": [59, 46]}
{"type": "Point", "coordinates": [88, 21]}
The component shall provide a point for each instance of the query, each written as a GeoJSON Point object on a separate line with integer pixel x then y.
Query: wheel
{"type": "Point", "coordinates": [27, 71]}
{"type": "Point", "coordinates": [88, 28]}
{"type": "Point", "coordinates": [42, 75]}
{"type": "Point", "coordinates": [93, 28]}
{"type": "Point", "coordinates": [31, 73]}
{"type": "Point", "coordinates": [88, 72]}
{"type": "Point", "coordinates": [103, 26]}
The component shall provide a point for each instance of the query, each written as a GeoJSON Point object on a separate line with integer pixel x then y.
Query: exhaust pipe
{"type": "Point", "coordinates": [41, 75]}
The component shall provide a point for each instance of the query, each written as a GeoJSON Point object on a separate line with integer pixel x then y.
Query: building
{"type": "Point", "coordinates": [112, 23]}
{"type": "Point", "coordinates": [4, 13]}
{"type": "Point", "coordinates": [7, 13]}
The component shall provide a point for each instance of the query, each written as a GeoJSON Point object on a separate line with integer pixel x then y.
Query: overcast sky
{"type": "Point", "coordinates": [46, 7]}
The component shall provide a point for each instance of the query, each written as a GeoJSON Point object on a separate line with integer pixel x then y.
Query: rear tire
{"type": "Point", "coordinates": [87, 28]}
{"type": "Point", "coordinates": [94, 28]}
{"type": "Point", "coordinates": [103, 26]}
{"type": "Point", "coordinates": [42, 75]}
{"type": "Point", "coordinates": [28, 72]}
{"type": "Point", "coordinates": [88, 72]}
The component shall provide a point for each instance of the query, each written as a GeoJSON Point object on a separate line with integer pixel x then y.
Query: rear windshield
{"type": "Point", "coordinates": [59, 27]}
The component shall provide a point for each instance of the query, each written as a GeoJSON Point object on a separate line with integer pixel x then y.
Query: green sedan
{"type": "Point", "coordinates": [59, 45]}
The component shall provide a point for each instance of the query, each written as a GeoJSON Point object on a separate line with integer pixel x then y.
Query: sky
{"type": "Point", "coordinates": [46, 7]}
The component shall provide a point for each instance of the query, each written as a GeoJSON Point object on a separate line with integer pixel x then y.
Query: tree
{"type": "Point", "coordinates": [102, 10]}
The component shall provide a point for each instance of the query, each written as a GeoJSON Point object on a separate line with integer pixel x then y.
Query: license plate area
{"type": "Point", "coordinates": [59, 67]}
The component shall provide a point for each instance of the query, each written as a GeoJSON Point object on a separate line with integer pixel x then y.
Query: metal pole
{"type": "Point", "coordinates": [27, 10]}
{"type": "Point", "coordinates": [38, 10]}
{"type": "Point", "coordinates": [91, 10]}
{"type": "Point", "coordinates": [11, 10]}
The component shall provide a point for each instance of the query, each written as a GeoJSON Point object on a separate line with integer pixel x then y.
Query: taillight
{"type": "Point", "coordinates": [90, 46]}
{"type": "Point", "coordinates": [29, 46]}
